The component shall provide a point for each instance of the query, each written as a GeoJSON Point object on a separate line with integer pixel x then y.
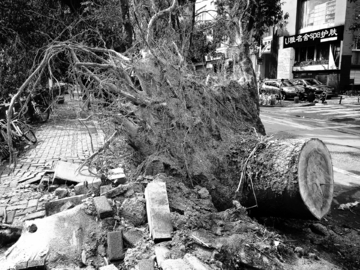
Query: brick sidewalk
{"type": "Point", "coordinates": [63, 137]}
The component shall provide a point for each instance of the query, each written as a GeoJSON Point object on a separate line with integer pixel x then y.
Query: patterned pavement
{"type": "Point", "coordinates": [63, 137]}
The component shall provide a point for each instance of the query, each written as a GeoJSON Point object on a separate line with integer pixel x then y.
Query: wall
{"type": "Point", "coordinates": [286, 58]}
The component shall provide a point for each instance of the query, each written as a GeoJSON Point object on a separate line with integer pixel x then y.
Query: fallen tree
{"type": "Point", "coordinates": [209, 133]}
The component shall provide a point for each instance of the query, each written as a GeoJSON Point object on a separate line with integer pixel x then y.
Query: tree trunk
{"type": "Point", "coordinates": [289, 179]}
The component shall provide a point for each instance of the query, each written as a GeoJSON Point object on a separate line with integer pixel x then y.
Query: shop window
{"type": "Point", "coordinates": [356, 43]}
{"type": "Point", "coordinates": [322, 52]}
{"type": "Point", "coordinates": [317, 12]}
{"type": "Point", "coordinates": [310, 53]}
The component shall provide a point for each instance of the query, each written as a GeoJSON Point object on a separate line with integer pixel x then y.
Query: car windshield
{"type": "Point", "coordinates": [312, 82]}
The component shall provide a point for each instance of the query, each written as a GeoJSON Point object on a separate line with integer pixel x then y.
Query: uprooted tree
{"type": "Point", "coordinates": [209, 134]}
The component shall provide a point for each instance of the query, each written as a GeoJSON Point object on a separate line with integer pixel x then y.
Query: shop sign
{"type": "Point", "coordinates": [314, 37]}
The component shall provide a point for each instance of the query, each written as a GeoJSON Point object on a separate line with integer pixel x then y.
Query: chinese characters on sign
{"type": "Point", "coordinates": [329, 34]}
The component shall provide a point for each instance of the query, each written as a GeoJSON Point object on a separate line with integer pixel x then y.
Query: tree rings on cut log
{"type": "Point", "coordinates": [291, 179]}
{"type": "Point", "coordinates": [315, 174]}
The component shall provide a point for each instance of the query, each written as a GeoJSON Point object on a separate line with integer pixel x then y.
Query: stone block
{"type": "Point", "coordinates": [21, 266]}
{"type": "Point", "coordinates": [132, 237]}
{"type": "Point", "coordinates": [146, 264]}
{"type": "Point", "coordinates": [32, 203]}
{"type": "Point", "coordinates": [108, 267]}
{"type": "Point", "coordinates": [175, 264]}
{"type": "Point", "coordinates": [2, 211]}
{"type": "Point", "coordinates": [103, 208]}
{"type": "Point", "coordinates": [161, 254]}
{"type": "Point", "coordinates": [158, 211]}
{"type": "Point", "coordinates": [54, 207]}
{"type": "Point", "coordinates": [115, 247]}
{"type": "Point", "coordinates": [195, 263]}
{"type": "Point", "coordinates": [38, 214]}
{"type": "Point", "coordinates": [93, 185]}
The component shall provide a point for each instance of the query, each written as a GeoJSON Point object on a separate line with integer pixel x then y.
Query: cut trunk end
{"type": "Point", "coordinates": [316, 180]}
{"type": "Point", "coordinates": [296, 180]}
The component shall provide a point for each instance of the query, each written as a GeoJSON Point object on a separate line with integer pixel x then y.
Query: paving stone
{"type": "Point", "coordinates": [158, 211]}
{"type": "Point", "coordinates": [115, 245]}
{"type": "Point", "coordinates": [103, 208]}
{"type": "Point", "coordinates": [132, 237]}
{"type": "Point", "coordinates": [175, 264]}
{"type": "Point", "coordinates": [195, 263]}
{"type": "Point", "coordinates": [54, 207]}
{"type": "Point", "coordinates": [39, 214]}
{"type": "Point", "coordinates": [93, 185]}
{"type": "Point", "coordinates": [10, 215]}
{"type": "Point", "coordinates": [146, 264]}
{"type": "Point", "coordinates": [108, 267]}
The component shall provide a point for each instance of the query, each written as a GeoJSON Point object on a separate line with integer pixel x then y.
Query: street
{"type": "Point", "coordinates": [338, 126]}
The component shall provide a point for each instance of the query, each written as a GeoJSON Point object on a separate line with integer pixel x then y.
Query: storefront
{"type": "Point", "coordinates": [317, 54]}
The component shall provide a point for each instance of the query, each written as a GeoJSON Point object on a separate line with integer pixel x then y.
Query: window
{"type": "Point", "coordinates": [322, 52]}
{"type": "Point", "coordinates": [317, 12]}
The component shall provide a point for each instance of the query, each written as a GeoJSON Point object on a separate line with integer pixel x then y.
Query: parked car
{"type": "Point", "coordinates": [286, 88]}
{"type": "Point", "coordinates": [313, 85]}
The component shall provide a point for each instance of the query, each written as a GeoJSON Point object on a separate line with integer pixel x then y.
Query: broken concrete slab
{"type": "Point", "coordinates": [158, 211]}
{"type": "Point", "coordinates": [115, 249]}
{"type": "Point", "coordinates": [84, 188]}
{"type": "Point", "coordinates": [121, 189]}
{"type": "Point", "coordinates": [134, 210]}
{"type": "Point", "coordinates": [54, 207]}
{"type": "Point", "coordinates": [67, 206]}
{"type": "Point", "coordinates": [161, 253]}
{"type": "Point", "coordinates": [132, 237]}
{"type": "Point", "coordinates": [37, 265]}
{"type": "Point", "coordinates": [108, 267]}
{"type": "Point", "coordinates": [69, 172]}
{"type": "Point", "coordinates": [103, 207]}
{"type": "Point", "coordinates": [175, 264]}
{"type": "Point", "coordinates": [146, 264]}
{"type": "Point", "coordinates": [195, 263]}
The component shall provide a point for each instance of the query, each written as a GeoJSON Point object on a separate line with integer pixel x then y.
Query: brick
{"type": "Point", "coordinates": [16, 207]}
{"type": "Point", "coordinates": [132, 237]}
{"type": "Point", "coordinates": [115, 245]}
{"type": "Point", "coordinates": [2, 211]}
{"type": "Point", "coordinates": [103, 208]}
{"type": "Point", "coordinates": [146, 264]}
{"type": "Point", "coordinates": [37, 265]}
{"type": "Point", "coordinates": [195, 263]}
{"type": "Point", "coordinates": [175, 264]}
{"type": "Point", "coordinates": [21, 266]}
{"type": "Point", "coordinates": [93, 185]}
{"type": "Point", "coordinates": [158, 211]}
{"type": "Point", "coordinates": [105, 189]}
{"type": "Point", "coordinates": [67, 206]}
{"type": "Point", "coordinates": [29, 210]}
{"type": "Point", "coordinates": [108, 267]}
{"type": "Point", "coordinates": [39, 214]}
{"type": "Point", "coordinates": [10, 215]}
{"type": "Point", "coordinates": [32, 203]}
{"type": "Point", "coordinates": [54, 207]}
{"type": "Point", "coordinates": [161, 254]}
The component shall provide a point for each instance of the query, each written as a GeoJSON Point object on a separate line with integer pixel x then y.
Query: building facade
{"type": "Point", "coordinates": [319, 43]}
